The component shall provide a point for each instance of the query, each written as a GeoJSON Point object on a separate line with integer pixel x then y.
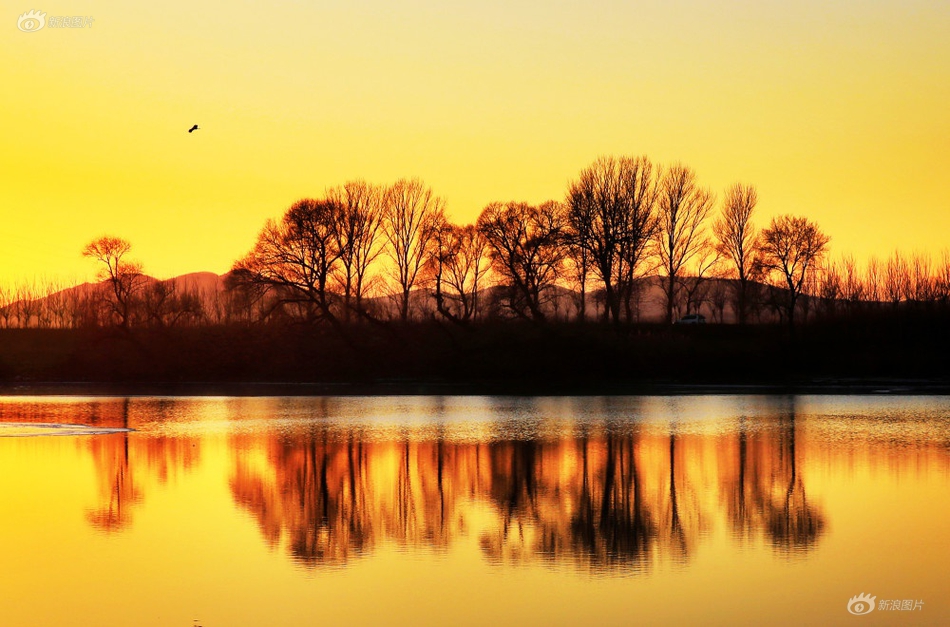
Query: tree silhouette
{"type": "Point", "coordinates": [167, 305]}
{"type": "Point", "coordinates": [681, 232]}
{"type": "Point", "coordinates": [896, 278]}
{"type": "Point", "coordinates": [611, 217]}
{"type": "Point", "coordinates": [695, 288]}
{"type": "Point", "coordinates": [293, 259]}
{"type": "Point", "coordinates": [527, 249]}
{"type": "Point", "coordinates": [578, 272]}
{"type": "Point", "coordinates": [459, 265]}
{"type": "Point", "coordinates": [412, 212]}
{"type": "Point", "coordinates": [359, 219]}
{"type": "Point", "coordinates": [791, 248]}
{"type": "Point", "coordinates": [736, 236]}
{"type": "Point", "coordinates": [123, 276]}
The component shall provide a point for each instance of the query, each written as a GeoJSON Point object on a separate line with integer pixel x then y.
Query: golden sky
{"type": "Point", "coordinates": [833, 110]}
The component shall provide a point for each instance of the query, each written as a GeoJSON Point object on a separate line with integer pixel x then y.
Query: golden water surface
{"type": "Point", "coordinates": [473, 510]}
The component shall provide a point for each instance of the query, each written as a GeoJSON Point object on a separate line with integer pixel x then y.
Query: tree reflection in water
{"type": "Point", "coordinates": [615, 495]}
{"type": "Point", "coordinates": [124, 464]}
{"type": "Point", "coordinates": [609, 500]}
{"type": "Point", "coordinates": [764, 491]}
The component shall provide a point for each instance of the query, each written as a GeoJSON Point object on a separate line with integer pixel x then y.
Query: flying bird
{"type": "Point", "coordinates": [193, 128]}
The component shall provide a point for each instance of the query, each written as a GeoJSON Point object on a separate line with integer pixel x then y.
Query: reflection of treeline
{"type": "Point", "coordinates": [125, 466]}
{"type": "Point", "coordinates": [601, 502]}
{"type": "Point", "coordinates": [630, 241]}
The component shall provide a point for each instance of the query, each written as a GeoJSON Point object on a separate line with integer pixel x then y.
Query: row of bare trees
{"type": "Point", "coordinates": [627, 230]}
{"type": "Point", "coordinates": [123, 297]}
{"type": "Point", "coordinates": [315, 261]}
{"type": "Point", "coordinates": [623, 220]}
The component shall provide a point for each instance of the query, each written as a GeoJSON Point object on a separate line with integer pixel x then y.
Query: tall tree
{"type": "Point", "coordinates": [611, 216]}
{"type": "Point", "coordinates": [460, 262]}
{"type": "Point", "coordinates": [896, 278]}
{"type": "Point", "coordinates": [736, 237]}
{"type": "Point", "coordinates": [683, 208]}
{"type": "Point", "coordinates": [123, 276]}
{"type": "Point", "coordinates": [412, 212]}
{"type": "Point", "coordinates": [294, 258]}
{"type": "Point", "coordinates": [792, 247]}
{"type": "Point", "coordinates": [357, 237]}
{"type": "Point", "coordinates": [527, 250]}
{"type": "Point", "coordinates": [578, 272]}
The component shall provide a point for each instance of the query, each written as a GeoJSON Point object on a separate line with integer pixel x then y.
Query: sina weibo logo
{"type": "Point", "coordinates": [861, 604]}
{"type": "Point", "coordinates": [31, 21]}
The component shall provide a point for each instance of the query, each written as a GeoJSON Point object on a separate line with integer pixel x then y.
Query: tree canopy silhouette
{"type": "Point", "coordinates": [527, 249]}
{"type": "Point", "coordinates": [612, 218]}
{"type": "Point", "coordinates": [681, 230]}
{"type": "Point", "coordinates": [123, 276]}
{"type": "Point", "coordinates": [412, 213]}
{"type": "Point", "coordinates": [736, 236]}
{"type": "Point", "coordinates": [293, 259]}
{"type": "Point", "coordinates": [791, 248]}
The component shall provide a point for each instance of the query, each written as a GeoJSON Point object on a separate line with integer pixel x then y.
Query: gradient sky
{"type": "Point", "coordinates": [838, 111]}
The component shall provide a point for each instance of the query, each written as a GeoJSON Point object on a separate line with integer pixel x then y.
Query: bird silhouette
{"type": "Point", "coordinates": [193, 128]}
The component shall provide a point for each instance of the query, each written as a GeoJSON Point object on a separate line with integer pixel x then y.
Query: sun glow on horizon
{"type": "Point", "coordinates": [834, 112]}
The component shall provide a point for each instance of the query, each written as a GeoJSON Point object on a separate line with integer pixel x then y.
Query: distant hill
{"type": "Point", "coordinates": [205, 283]}
{"type": "Point", "coordinates": [202, 282]}
{"type": "Point", "coordinates": [67, 306]}
{"type": "Point", "coordinates": [562, 303]}
{"type": "Point", "coordinates": [648, 306]}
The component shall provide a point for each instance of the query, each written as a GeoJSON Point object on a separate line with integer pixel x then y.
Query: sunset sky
{"type": "Point", "coordinates": [838, 111]}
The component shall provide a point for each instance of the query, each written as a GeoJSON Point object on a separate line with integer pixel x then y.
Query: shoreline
{"type": "Point", "coordinates": [825, 387]}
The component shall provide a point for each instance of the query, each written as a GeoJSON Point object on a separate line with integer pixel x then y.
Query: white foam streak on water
{"type": "Point", "coordinates": [33, 429]}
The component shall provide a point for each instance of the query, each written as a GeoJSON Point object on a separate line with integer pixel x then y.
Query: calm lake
{"type": "Point", "coordinates": [712, 510]}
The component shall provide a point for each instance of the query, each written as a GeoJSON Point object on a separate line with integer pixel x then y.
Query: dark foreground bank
{"type": "Point", "coordinates": [509, 358]}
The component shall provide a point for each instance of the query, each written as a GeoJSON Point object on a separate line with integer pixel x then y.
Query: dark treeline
{"type": "Point", "coordinates": [488, 357]}
{"type": "Point", "coordinates": [376, 281]}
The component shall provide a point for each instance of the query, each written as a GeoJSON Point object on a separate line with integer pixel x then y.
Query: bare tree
{"type": "Point", "coordinates": [527, 250]}
{"type": "Point", "coordinates": [718, 297]}
{"type": "Point", "coordinates": [896, 278]}
{"type": "Point", "coordinates": [922, 287]}
{"type": "Point", "coordinates": [357, 233]}
{"type": "Point", "coordinates": [611, 212]}
{"type": "Point", "coordinates": [873, 281]}
{"type": "Point", "coordinates": [124, 277]}
{"type": "Point", "coordinates": [167, 305]}
{"type": "Point", "coordinates": [6, 309]}
{"type": "Point", "coordinates": [792, 247]}
{"type": "Point", "coordinates": [830, 285]}
{"type": "Point", "coordinates": [25, 304]}
{"type": "Point", "coordinates": [460, 262]}
{"type": "Point", "coordinates": [943, 278]}
{"type": "Point", "coordinates": [293, 260]}
{"type": "Point", "coordinates": [736, 236]}
{"type": "Point", "coordinates": [681, 230]}
{"type": "Point", "coordinates": [56, 305]}
{"type": "Point", "coordinates": [579, 269]}
{"type": "Point", "coordinates": [411, 214]}
{"type": "Point", "coordinates": [853, 288]}
{"type": "Point", "coordinates": [707, 265]}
